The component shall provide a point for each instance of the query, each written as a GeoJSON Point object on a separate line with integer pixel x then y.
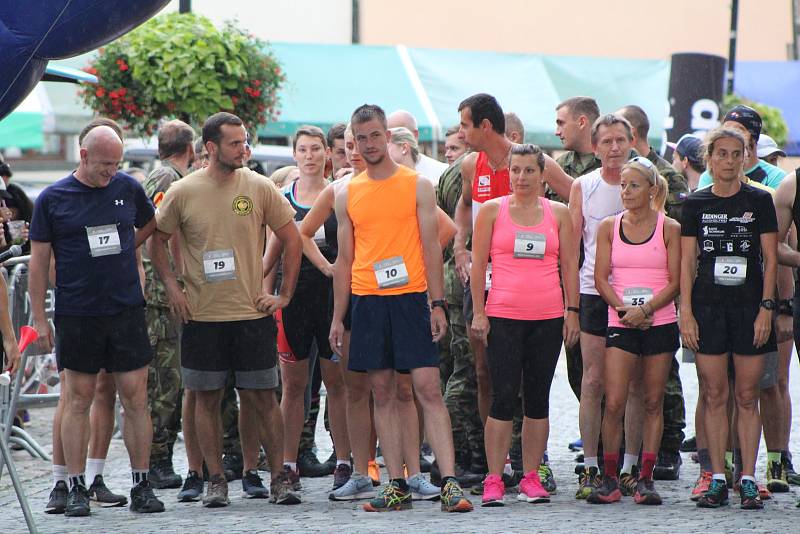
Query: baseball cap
{"type": "Point", "coordinates": [767, 146]}
{"type": "Point", "coordinates": [3, 191]}
{"type": "Point", "coordinates": [689, 146]}
{"type": "Point", "coordinates": [747, 117]}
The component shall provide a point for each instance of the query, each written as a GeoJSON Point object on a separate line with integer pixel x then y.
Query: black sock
{"type": "Point", "coordinates": [138, 476]}
{"type": "Point", "coordinates": [77, 480]}
{"type": "Point", "coordinates": [401, 483]}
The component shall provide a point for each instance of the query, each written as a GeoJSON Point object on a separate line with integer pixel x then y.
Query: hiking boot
{"type": "Point", "coordinates": [162, 475]}
{"type": "Point", "coordinates": [357, 487]}
{"type": "Point", "coordinates": [453, 499]}
{"type": "Point", "coordinates": [668, 465]}
{"type": "Point", "coordinates": [751, 500]}
{"type": "Point", "coordinates": [493, 491]}
{"type": "Point", "coordinates": [776, 478]}
{"type": "Point", "coordinates": [607, 493]}
{"type": "Point", "coordinates": [646, 493]}
{"type": "Point", "coordinates": [341, 475]}
{"type": "Point", "coordinates": [715, 496]}
{"type": "Point", "coordinates": [701, 486]}
{"type": "Point", "coordinates": [308, 465]}
{"type": "Point", "coordinates": [531, 489]}
{"type": "Point", "coordinates": [424, 464]}
{"type": "Point", "coordinates": [587, 481]}
{"type": "Point", "coordinates": [232, 466]}
{"type": "Point", "coordinates": [547, 479]}
{"type": "Point", "coordinates": [374, 473]}
{"type": "Point", "coordinates": [192, 488]}
{"type": "Point", "coordinates": [216, 492]}
{"type": "Point", "coordinates": [58, 499]}
{"type": "Point", "coordinates": [390, 498]}
{"type": "Point", "coordinates": [99, 492]}
{"type": "Point", "coordinates": [292, 477]}
{"type": "Point", "coordinates": [422, 489]}
{"type": "Point", "coordinates": [143, 500]}
{"type": "Point", "coordinates": [281, 489]}
{"type": "Point", "coordinates": [628, 482]}
{"type": "Point", "coordinates": [331, 463]}
{"type": "Point", "coordinates": [791, 476]}
{"type": "Point", "coordinates": [252, 487]}
{"type": "Point", "coordinates": [77, 502]}
{"type": "Point", "coordinates": [689, 445]}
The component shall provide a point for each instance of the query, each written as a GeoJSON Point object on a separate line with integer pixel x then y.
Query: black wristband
{"type": "Point", "coordinates": [786, 307]}
{"type": "Point", "coordinates": [573, 309]}
{"type": "Point", "coordinates": [441, 303]}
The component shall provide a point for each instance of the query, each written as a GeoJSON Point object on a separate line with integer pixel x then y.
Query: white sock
{"type": "Point", "coordinates": [291, 465]}
{"type": "Point", "coordinates": [59, 473]}
{"type": "Point", "coordinates": [340, 462]}
{"type": "Point", "coordinates": [748, 477]}
{"type": "Point", "coordinates": [507, 469]}
{"type": "Point", "coordinates": [590, 461]}
{"type": "Point", "coordinates": [719, 476]}
{"type": "Point", "coordinates": [629, 461]}
{"type": "Point", "coordinates": [94, 467]}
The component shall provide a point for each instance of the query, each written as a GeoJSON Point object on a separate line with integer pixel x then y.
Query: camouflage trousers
{"type": "Point", "coordinates": [230, 418]}
{"type": "Point", "coordinates": [164, 388]}
{"type": "Point", "coordinates": [307, 441]}
{"type": "Point", "coordinates": [674, 410]}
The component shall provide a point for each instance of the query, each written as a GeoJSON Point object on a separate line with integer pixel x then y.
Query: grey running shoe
{"type": "Point", "coordinates": [77, 502]}
{"type": "Point", "coordinates": [252, 487]}
{"type": "Point", "coordinates": [422, 489]}
{"type": "Point", "coordinates": [192, 488]}
{"type": "Point", "coordinates": [99, 492]}
{"type": "Point", "coordinates": [58, 499]}
{"type": "Point", "coordinates": [216, 492]}
{"type": "Point", "coordinates": [293, 477]}
{"type": "Point", "coordinates": [282, 491]}
{"type": "Point", "coordinates": [358, 487]}
{"type": "Point", "coordinates": [143, 500]}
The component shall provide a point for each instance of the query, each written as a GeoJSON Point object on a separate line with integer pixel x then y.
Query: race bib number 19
{"type": "Point", "coordinates": [219, 265]}
{"type": "Point", "coordinates": [730, 270]}
{"type": "Point", "coordinates": [103, 240]}
{"type": "Point", "coordinates": [391, 272]}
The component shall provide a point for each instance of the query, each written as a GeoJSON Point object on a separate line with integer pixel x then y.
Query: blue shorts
{"type": "Point", "coordinates": [391, 332]}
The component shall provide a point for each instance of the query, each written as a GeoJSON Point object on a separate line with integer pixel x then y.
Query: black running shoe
{"type": "Point", "coordinates": [716, 495]}
{"type": "Point", "coordinates": [791, 476]}
{"type": "Point", "coordinates": [232, 466]}
{"type": "Point", "coordinates": [751, 500]}
{"type": "Point", "coordinates": [143, 500]}
{"type": "Point", "coordinates": [252, 486]}
{"type": "Point", "coordinates": [192, 488]}
{"type": "Point", "coordinates": [646, 492]}
{"type": "Point", "coordinates": [689, 445]}
{"type": "Point", "coordinates": [308, 465]}
{"type": "Point", "coordinates": [58, 499]}
{"type": "Point", "coordinates": [668, 465]}
{"type": "Point", "coordinates": [99, 492]}
{"type": "Point", "coordinates": [77, 502]}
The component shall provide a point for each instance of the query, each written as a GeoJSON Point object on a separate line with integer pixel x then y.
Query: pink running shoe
{"type": "Point", "coordinates": [531, 490]}
{"type": "Point", "coordinates": [493, 491]}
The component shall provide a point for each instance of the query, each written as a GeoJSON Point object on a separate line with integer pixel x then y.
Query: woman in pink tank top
{"type": "Point", "coordinates": [524, 323]}
{"type": "Point", "coordinates": [637, 272]}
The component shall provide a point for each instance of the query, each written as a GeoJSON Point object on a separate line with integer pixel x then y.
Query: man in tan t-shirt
{"type": "Point", "coordinates": [222, 213]}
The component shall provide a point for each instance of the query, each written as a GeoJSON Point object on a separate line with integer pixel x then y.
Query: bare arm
{"type": "Point", "coordinates": [157, 249]}
{"type": "Point", "coordinates": [688, 272]}
{"type": "Point", "coordinates": [556, 178]}
{"type": "Point", "coordinates": [602, 263]}
{"type": "Point", "coordinates": [343, 271]}
{"type": "Point", "coordinates": [39, 267]}
{"type": "Point", "coordinates": [268, 263]}
{"type": "Point", "coordinates": [145, 231]}
{"type": "Point", "coordinates": [576, 214]}
{"type": "Point", "coordinates": [569, 273]}
{"type": "Point", "coordinates": [432, 254]}
{"type": "Point", "coordinates": [313, 221]}
{"type": "Point", "coordinates": [481, 245]}
{"type": "Point", "coordinates": [289, 237]}
{"type": "Point", "coordinates": [784, 199]}
{"type": "Point", "coordinates": [463, 218]}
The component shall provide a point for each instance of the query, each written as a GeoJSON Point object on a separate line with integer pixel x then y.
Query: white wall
{"type": "Point", "coordinates": [315, 21]}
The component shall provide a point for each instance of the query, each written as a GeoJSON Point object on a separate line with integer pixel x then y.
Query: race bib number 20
{"type": "Point", "coordinates": [730, 270]}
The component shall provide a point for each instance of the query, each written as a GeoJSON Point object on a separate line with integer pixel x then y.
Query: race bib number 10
{"type": "Point", "coordinates": [219, 265]}
{"type": "Point", "coordinates": [391, 273]}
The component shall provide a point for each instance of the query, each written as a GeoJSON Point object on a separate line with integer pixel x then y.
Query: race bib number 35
{"type": "Point", "coordinates": [391, 273]}
{"type": "Point", "coordinates": [529, 245]}
{"type": "Point", "coordinates": [219, 265]}
{"type": "Point", "coordinates": [636, 296]}
{"type": "Point", "coordinates": [730, 270]}
{"type": "Point", "coordinates": [103, 240]}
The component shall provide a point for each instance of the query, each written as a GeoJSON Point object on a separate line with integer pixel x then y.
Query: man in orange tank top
{"type": "Point", "coordinates": [391, 261]}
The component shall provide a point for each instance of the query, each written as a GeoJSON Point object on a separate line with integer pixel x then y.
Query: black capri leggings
{"type": "Point", "coordinates": [526, 349]}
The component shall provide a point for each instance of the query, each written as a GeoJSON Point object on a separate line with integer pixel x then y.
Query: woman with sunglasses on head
{"type": "Point", "coordinates": [728, 277]}
{"type": "Point", "coordinates": [637, 273]}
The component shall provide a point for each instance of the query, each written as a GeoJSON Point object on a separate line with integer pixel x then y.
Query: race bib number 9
{"type": "Point", "coordinates": [391, 273]}
{"type": "Point", "coordinates": [103, 240]}
{"type": "Point", "coordinates": [730, 270]}
{"type": "Point", "coordinates": [219, 265]}
{"type": "Point", "coordinates": [529, 245]}
{"type": "Point", "coordinates": [636, 296]}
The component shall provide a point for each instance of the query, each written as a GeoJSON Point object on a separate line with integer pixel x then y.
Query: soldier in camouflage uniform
{"type": "Point", "coordinates": [669, 458]}
{"type": "Point", "coordinates": [164, 380]}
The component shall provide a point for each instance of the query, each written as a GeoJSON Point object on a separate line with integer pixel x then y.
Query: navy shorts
{"type": "Point", "coordinates": [391, 332]}
{"type": "Point", "coordinates": [117, 343]}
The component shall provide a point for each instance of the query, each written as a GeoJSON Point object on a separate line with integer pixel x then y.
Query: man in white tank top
{"type": "Point", "coordinates": [595, 196]}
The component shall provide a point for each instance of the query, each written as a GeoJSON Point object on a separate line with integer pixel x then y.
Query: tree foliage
{"type": "Point", "coordinates": [180, 66]}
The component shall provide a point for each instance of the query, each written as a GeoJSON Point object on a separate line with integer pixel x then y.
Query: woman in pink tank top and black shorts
{"type": "Point", "coordinates": [524, 322]}
{"type": "Point", "coordinates": [637, 272]}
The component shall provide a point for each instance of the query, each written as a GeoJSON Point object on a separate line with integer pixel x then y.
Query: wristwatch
{"type": "Point", "coordinates": [785, 307]}
{"type": "Point", "coordinates": [768, 304]}
{"type": "Point", "coordinates": [441, 303]}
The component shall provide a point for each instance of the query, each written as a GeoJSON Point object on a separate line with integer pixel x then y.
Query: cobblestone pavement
{"type": "Point", "coordinates": [318, 514]}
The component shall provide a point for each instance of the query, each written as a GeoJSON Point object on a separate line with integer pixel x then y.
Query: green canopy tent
{"type": "Point", "coordinates": [23, 129]}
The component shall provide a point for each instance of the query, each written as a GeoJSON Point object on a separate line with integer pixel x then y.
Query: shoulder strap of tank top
{"type": "Point", "coordinates": [616, 236]}
{"type": "Point", "coordinates": [590, 185]}
{"type": "Point", "coordinates": [660, 228]}
{"type": "Point", "coordinates": [503, 212]}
